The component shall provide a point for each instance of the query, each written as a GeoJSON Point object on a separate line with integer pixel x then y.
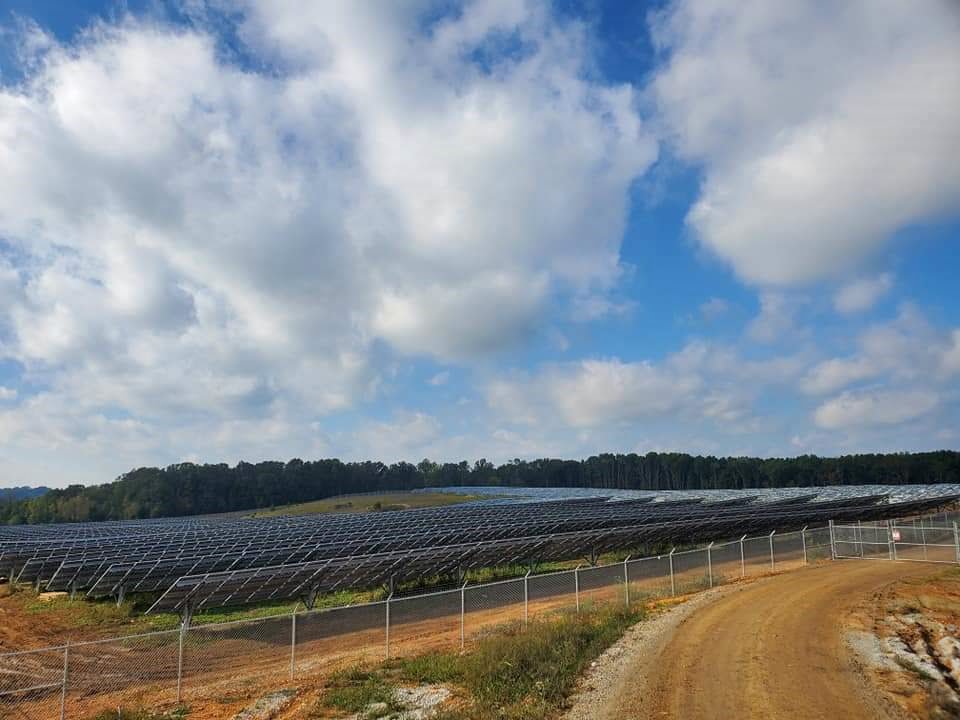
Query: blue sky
{"type": "Point", "coordinates": [495, 229]}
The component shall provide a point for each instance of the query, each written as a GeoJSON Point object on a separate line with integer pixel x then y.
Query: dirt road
{"type": "Point", "coordinates": [772, 649]}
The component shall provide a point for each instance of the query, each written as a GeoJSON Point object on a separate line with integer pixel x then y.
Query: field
{"type": "Point", "coordinates": [380, 502]}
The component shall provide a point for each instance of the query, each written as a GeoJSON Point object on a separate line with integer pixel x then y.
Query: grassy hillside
{"type": "Point", "coordinates": [380, 502]}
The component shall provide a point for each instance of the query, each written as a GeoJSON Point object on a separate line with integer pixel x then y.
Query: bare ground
{"type": "Point", "coordinates": [773, 648]}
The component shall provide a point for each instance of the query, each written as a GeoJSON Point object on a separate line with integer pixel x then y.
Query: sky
{"type": "Point", "coordinates": [497, 229]}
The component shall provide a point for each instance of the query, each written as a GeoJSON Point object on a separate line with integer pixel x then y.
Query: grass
{"type": "Point", "coordinates": [521, 674]}
{"type": "Point", "coordinates": [83, 614]}
{"type": "Point", "coordinates": [355, 690]}
{"type": "Point", "coordinates": [381, 502]}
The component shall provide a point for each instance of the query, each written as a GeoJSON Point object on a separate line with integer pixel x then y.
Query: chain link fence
{"type": "Point", "coordinates": [242, 659]}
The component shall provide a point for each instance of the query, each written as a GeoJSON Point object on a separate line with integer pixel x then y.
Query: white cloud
{"type": "Point", "coordinates": [776, 318]}
{"type": "Point", "coordinates": [441, 378]}
{"type": "Point", "coordinates": [408, 436]}
{"type": "Point", "coordinates": [862, 294]}
{"type": "Point", "coordinates": [836, 373]}
{"type": "Point", "coordinates": [7, 393]}
{"type": "Point", "coordinates": [200, 243]}
{"type": "Point", "coordinates": [950, 363]}
{"type": "Point", "coordinates": [701, 382]}
{"type": "Point", "coordinates": [594, 307]}
{"type": "Point", "coordinates": [821, 129]}
{"type": "Point", "coordinates": [867, 408]}
{"type": "Point", "coordinates": [906, 350]}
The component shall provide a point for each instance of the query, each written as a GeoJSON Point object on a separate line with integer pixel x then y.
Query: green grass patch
{"type": "Point", "coordinates": [523, 673]}
{"type": "Point", "coordinates": [356, 689]}
{"type": "Point", "coordinates": [381, 502]}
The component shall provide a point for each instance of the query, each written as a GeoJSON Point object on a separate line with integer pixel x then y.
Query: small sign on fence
{"type": "Point", "coordinates": [896, 535]}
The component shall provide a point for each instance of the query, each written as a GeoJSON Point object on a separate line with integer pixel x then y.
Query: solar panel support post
{"type": "Point", "coordinates": [673, 582]}
{"type": "Point", "coordinates": [743, 561]}
{"type": "Point", "coordinates": [772, 533]}
{"type": "Point", "coordinates": [710, 563]}
{"type": "Point", "coordinates": [526, 598]}
{"type": "Point", "coordinates": [463, 614]}
{"type": "Point", "coordinates": [803, 539]}
{"type": "Point", "coordinates": [66, 676]}
{"type": "Point", "coordinates": [626, 581]}
{"type": "Point", "coordinates": [121, 594]}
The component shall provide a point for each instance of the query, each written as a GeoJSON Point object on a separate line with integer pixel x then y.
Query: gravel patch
{"type": "Point", "coordinates": [268, 706]}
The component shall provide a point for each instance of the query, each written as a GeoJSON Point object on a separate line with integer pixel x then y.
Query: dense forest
{"type": "Point", "coordinates": [189, 489]}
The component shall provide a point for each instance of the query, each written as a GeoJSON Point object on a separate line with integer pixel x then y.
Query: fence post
{"type": "Point", "coordinates": [803, 539]}
{"type": "Point", "coordinates": [956, 542]}
{"type": "Point", "coordinates": [771, 548]}
{"type": "Point", "coordinates": [526, 598]}
{"type": "Point", "coordinates": [576, 586]}
{"type": "Point", "coordinates": [626, 581]}
{"type": "Point", "coordinates": [673, 582]}
{"type": "Point", "coordinates": [710, 563]}
{"type": "Point", "coordinates": [183, 632]}
{"type": "Point", "coordinates": [389, 597]}
{"type": "Point", "coordinates": [833, 547]}
{"type": "Point", "coordinates": [743, 562]}
{"type": "Point", "coordinates": [891, 547]}
{"type": "Point", "coordinates": [923, 538]}
{"type": "Point", "coordinates": [463, 613]}
{"type": "Point", "coordinates": [293, 642]}
{"type": "Point", "coordinates": [66, 675]}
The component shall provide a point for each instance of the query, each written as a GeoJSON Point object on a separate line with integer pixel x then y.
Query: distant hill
{"type": "Point", "coordinates": [191, 489]}
{"type": "Point", "coordinates": [23, 492]}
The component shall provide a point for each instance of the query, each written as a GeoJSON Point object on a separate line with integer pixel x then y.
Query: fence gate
{"type": "Point", "coordinates": [921, 539]}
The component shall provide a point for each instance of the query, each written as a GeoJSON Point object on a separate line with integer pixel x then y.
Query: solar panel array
{"type": "Point", "coordinates": [199, 563]}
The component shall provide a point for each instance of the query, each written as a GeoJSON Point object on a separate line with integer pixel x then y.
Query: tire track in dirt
{"type": "Point", "coordinates": [772, 649]}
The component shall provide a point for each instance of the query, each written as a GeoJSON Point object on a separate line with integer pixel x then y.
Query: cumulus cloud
{"type": "Point", "coordinates": [405, 436]}
{"type": "Point", "coordinates": [702, 381]}
{"type": "Point", "coordinates": [868, 408]}
{"type": "Point", "coordinates": [907, 349]}
{"type": "Point", "coordinates": [903, 370]}
{"type": "Point", "coordinates": [215, 241]}
{"type": "Point", "coordinates": [862, 294]}
{"type": "Point", "coordinates": [821, 129]}
{"type": "Point", "coordinates": [776, 318]}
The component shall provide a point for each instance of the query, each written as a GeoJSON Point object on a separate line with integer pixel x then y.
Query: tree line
{"type": "Point", "coordinates": [191, 489]}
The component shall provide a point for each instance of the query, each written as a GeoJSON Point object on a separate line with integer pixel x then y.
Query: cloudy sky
{"type": "Point", "coordinates": [265, 229]}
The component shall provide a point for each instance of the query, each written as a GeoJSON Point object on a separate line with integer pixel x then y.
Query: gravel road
{"type": "Point", "coordinates": [770, 649]}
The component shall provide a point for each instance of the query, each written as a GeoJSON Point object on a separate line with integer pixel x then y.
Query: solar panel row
{"type": "Point", "coordinates": [229, 560]}
{"type": "Point", "coordinates": [304, 581]}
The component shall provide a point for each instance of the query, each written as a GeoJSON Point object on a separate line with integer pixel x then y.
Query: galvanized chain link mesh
{"type": "Point", "coordinates": [725, 561]}
{"type": "Point", "coordinates": [649, 578]}
{"type": "Point", "coordinates": [489, 606]}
